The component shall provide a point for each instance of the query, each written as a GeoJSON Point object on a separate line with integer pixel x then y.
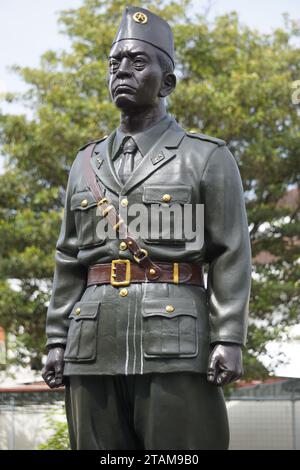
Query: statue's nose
{"type": "Point", "coordinates": [124, 68]}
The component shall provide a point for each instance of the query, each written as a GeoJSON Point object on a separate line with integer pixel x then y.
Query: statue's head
{"type": "Point", "coordinates": [141, 61]}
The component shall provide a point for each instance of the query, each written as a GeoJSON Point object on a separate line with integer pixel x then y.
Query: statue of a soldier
{"type": "Point", "coordinates": [143, 346]}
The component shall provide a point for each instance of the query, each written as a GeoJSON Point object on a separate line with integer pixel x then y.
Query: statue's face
{"type": "Point", "coordinates": [135, 75]}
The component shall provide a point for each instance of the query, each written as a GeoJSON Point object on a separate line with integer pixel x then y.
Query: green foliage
{"type": "Point", "coordinates": [59, 439]}
{"type": "Point", "coordinates": [234, 83]}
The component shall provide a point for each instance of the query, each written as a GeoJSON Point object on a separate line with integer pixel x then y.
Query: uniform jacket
{"type": "Point", "coordinates": [135, 334]}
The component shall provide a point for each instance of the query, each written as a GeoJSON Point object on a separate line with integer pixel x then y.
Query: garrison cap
{"type": "Point", "coordinates": [139, 23]}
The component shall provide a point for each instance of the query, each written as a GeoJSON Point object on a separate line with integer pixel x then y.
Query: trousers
{"type": "Point", "coordinates": [178, 410]}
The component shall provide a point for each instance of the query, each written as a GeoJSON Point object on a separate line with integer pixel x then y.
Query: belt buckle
{"type": "Point", "coordinates": [113, 273]}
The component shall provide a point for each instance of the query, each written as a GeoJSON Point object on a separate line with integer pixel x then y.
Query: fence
{"type": "Point", "coordinates": [26, 427]}
{"type": "Point", "coordinates": [258, 420]}
{"type": "Point", "coordinates": [268, 423]}
{"type": "Point", "coordinates": [24, 417]}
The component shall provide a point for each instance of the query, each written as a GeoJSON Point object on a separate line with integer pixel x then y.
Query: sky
{"type": "Point", "coordinates": [261, 14]}
{"type": "Point", "coordinates": [29, 27]}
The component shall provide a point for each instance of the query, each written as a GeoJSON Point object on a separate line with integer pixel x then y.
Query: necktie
{"type": "Point", "coordinates": [127, 159]}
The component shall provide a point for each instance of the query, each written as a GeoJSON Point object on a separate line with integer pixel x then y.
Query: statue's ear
{"type": "Point", "coordinates": [168, 85]}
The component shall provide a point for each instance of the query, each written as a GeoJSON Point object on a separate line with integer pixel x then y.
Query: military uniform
{"type": "Point", "coordinates": [136, 366]}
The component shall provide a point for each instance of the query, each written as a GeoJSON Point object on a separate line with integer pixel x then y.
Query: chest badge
{"type": "Point", "coordinates": [157, 158]}
{"type": "Point", "coordinates": [99, 162]}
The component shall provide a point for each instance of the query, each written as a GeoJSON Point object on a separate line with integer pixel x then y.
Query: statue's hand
{"type": "Point", "coordinates": [53, 370]}
{"type": "Point", "coordinates": [225, 364]}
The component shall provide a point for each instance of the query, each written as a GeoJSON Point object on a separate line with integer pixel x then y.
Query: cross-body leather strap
{"type": "Point", "coordinates": [140, 255]}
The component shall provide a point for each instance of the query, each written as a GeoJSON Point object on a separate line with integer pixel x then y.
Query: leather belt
{"type": "Point", "coordinates": [121, 272]}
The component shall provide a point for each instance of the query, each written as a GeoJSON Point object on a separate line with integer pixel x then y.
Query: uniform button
{"type": "Point", "coordinates": [166, 197]}
{"type": "Point", "coordinates": [123, 292]}
{"type": "Point", "coordinates": [170, 308]}
{"type": "Point", "coordinates": [84, 203]}
{"type": "Point", "coordinates": [124, 202]}
{"type": "Point", "coordinates": [123, 246]}
{"type": "Point", "coordinates": [77, 311]}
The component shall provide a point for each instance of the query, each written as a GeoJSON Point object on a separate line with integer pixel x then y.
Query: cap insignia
{"type": "Point", "coordinates": [140, 17]}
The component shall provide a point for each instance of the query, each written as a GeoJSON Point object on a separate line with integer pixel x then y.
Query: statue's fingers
{"type": "Point", "coordinates": [225, 377]}
{"type": "Point", "coordinates": [236, 376]}
{"type": "Point", "coordinates": [49, 378]}
{"type": "Point", "coordinates": [47, 374]}
{"type": "Point", "coordinates": [212, 369]}
{"type": "Point", "coordinates": [59, 373]}
{"type": "Point", "coordinates": [59, 380]}
{"type": "Point", "coordinates": [52, 383]}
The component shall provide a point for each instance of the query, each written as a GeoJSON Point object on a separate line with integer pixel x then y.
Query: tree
{"type": "Point", "coordinates": [59, 438]}
{"type": "Point", "coordinates": [234, 83]}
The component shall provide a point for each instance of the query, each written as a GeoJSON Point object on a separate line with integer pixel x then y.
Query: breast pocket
{"type": "Point", "coordinates": [87, 216]}
{"type": "Point", "coordinates": [82, 334]}
{"type": "Point", "coordinates": [165, 205]}
{"type": "Point", "coordinates": [169, 328]}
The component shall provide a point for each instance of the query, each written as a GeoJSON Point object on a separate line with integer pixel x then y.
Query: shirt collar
{"type": "Point", "coordinates": [144, 140]}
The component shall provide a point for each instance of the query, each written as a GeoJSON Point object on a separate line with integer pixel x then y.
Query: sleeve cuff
{"type": "Point", "coordinates": [55, 341]}
{"type": "Point", "coordinates": [227, 339]}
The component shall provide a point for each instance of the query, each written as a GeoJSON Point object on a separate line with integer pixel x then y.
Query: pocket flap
{"type": "Point", "coordinates": [82, 201]}
{"type": "Point", "coordinates": [161, 307]}
{"type": "Point", "coordinates": [85, 310]}
{"type": "Point", "coordinates": [176, 193]}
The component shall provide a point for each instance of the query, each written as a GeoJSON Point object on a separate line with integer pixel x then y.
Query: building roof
{"type": "Point", "coordinates": [274, 388]}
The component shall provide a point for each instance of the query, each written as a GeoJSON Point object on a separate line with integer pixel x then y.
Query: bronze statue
{"type": "Point", "coordinates": [141, 344]}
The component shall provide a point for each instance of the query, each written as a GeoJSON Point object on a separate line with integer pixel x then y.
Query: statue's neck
{"type": "Point", "coordinates": [141, 119]}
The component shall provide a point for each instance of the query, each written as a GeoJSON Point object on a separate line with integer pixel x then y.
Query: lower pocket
{"type": "Point", "coordinates": [169, 328]}
{"type": "Point", "coordinates": [82, 334]}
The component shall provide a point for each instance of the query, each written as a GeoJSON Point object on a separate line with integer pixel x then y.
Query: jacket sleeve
{"type": "Point", "coordinates": [69, 279]}
{"type": "Point", "coordinates": [228, 250]}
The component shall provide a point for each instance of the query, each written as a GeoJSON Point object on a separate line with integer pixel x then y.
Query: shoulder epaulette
{"type": "Point", "coordinates": [207, 138]}
{"type": "Point", "coordinates": [97, 141]}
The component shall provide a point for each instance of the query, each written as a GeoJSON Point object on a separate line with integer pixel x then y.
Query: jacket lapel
{"type": "Point", "coordinates": [103, 166]}
{"type": "Point", "coordinates": [160, 154]}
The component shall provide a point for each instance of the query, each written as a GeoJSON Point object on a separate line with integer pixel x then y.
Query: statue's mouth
{"type": "Point", "coordinates": [124, 89]}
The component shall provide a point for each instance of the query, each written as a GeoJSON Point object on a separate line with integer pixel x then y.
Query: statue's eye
{"type": "Point", "coordinates": [113, 65]}
{"type": "Point", "coordinates": [139, 63]}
